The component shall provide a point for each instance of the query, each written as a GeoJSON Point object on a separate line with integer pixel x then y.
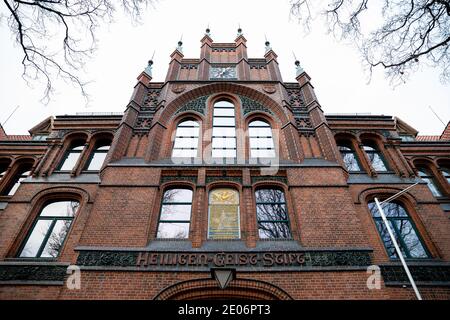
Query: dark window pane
{"type": "Point", "coordinates": [271, 212]}
{"type": "Point", "coordinates": [276, 230]}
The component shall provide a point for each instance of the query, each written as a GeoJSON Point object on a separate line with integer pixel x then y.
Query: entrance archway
{"type": "Point", "coordinates": [207, 289]}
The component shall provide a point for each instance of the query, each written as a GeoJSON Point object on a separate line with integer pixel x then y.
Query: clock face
{"type": "Point", "coordinates": [223, 73]}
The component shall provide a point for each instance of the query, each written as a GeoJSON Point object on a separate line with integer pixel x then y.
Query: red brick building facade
{"type": "Point", "coordinates": [222, 166]}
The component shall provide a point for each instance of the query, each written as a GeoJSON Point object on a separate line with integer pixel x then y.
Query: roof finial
{"type": "Point", "coordinates": [298, 66]}
{"type": "Point", "coordinates": [239, 31]}
{"type": "Point", "coordinates": [208, 31]}
{"type": "Point", "coordinates": [180, 44]}
{"type": "Point", "coordinates": [268, 47]}
{"type": "Point", "coordinates": [148, 69]}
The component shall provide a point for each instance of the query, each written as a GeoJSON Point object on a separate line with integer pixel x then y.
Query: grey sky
{"type": "Point", "coordinates": [124, 48]}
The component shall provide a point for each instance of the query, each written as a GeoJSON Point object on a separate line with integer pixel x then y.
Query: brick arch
{"type": "Point", "coordinates": [369, 193]}
{"type": "Point", "coordinates": [225, 87]}
{"type": "Point", "coordinates": [202, 289]}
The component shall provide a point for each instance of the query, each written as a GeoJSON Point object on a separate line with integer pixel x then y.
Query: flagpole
{"type": "Point", "coordinates": [394, 241]}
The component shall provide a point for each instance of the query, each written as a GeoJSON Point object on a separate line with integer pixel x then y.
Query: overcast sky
{"type": "Point", "coordinates": [336, 71]}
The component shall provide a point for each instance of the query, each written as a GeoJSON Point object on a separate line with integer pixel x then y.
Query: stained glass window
{"type": "Point", "coordinates": [50, 230]}
{"type": "Point", "coordinates": [175, 216]}
{"type": "Point", "coordinates": [271, 211]}
{"type": "Point", "coordinates": [403, 228]}
{"type": "Point", "coordinates": [224, 221]}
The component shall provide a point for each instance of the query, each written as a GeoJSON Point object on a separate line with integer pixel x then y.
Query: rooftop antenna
{"type": "Point", "coordinates": [10, 116]}
{"type": "Point", "coordinates": [436, 115]}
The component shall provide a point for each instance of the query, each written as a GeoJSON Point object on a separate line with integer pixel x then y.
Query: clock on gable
{"type": "Point", "coordinates": [228, 72]}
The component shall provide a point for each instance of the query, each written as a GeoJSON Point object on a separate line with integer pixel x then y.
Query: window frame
{"type": "Point", "coordinates": [428, 177]}
{"type": "Point", "coordinates": [99, 144]}
{"type": "Point", "coordinates": [259, 138]}
{"type": "Point", "coordinates": [54, 220]}
{"type": "Point", "coordinates": [347, 144]}
{"type": "Point", "coordinates": [213, 126]}
{"type": "Point", "coordinates": [238, 205]}
{"type": "Point", "coordinates": [375, 150]}
{"type": "Point", "coordinates": [70, 149]}
{"type": "Point", "coordinates": [397, 233]}
{"type": "Point", "coordinates": [199, 134]}
{"type": "Point", "coordinates": [189, 222]}
{"type": "Point", "coordinates": [287, 221]}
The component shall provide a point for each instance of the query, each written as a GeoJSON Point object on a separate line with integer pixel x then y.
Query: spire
{"type": "Point", "coordinates": [149, 68]}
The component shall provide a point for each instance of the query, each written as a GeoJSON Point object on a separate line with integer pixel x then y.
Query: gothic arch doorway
{"type": "Point", "coordinates": [207, 289]}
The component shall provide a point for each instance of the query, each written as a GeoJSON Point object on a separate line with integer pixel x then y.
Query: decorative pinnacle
{"type": "Point", "coordinates": [180, 44]}
{"type": "Point", "coordinates": [148, 69]}
{"type": "Point", "coordinates": [239, 31]}
{"type": "Point", "coordinates": [298, 67]}
{"type": "Point", "coordinates": [208, 31]}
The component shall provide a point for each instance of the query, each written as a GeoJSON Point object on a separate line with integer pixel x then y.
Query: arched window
{"type": "Point", "coordinates": [426, 176]}
{"type": "Point", "coordinates": [375, 157]}
{"type": "Point", "coordinates": [224, 220]}
{"type": "Point", "coordinates": [272, 216]}
{"type": "Point", "coordinates": [224, 130]}
{"type": "Point", "coordinates": [98, 155]}
{"type": "Point", "coordinates": [403, 228]}
{"type": "Point", "coordinates": [175, 216]}
{"type": "Point", "coordinates": [261, 141]}
{"type": "Point", "coordinates": [49, 230]}
{"type": "Point", "coordinates": [349, 156]}
{"type": "Point", "coordinates": [21, 174]}
{"type": "Point", "coordinates": [71, 156]}
{"type": "Point", "coordinates": [186, 139]}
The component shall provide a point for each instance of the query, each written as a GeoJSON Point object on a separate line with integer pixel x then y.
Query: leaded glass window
{"type": "Point", "coordinates": [224, 220]}
{"type": "Point", "coordinates": [49, 231]}
{"type": "Point", "coordinates": [404, 231]}
{"type": "Point", "coordinates": [71, 156]}
{"type": "Point", "coordinates": [261, 141]}
{"type": "Point", "coordinates": [272, 216]}
{"type": "Point", "coordinates": [349, 157]}
{"type": "Point", "coordinates": [98, 156]}
{"type": "Point", "coordinates": [426, 176]}
{"type": "Point", "coordinates": [375, 158]}
{"type": "Point", "coordinates": [224, 130]}
{"type": "Point", "coordinates": [186, 139]}
{"type": "Point", "coordinates": [175, 216]}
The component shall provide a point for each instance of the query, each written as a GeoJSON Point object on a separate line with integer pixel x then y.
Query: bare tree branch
{"type": "Point", "coordinates": [411, 32]}
{"type": "Point", "coordinates": [57, 36]}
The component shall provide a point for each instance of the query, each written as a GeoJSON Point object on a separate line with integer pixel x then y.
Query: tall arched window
{"type": "Point", "coordinates": [186, 139]}
{"type": "Point", "coordinates": [403, 228]}
{"type": "Point", "coordinates": [224, 130]}
{"type": "Point", "coordinates": [224, 220]}
{"type": "Point", "coordinates": [426, 176]}
{"type": "Point", "coordinates": [349, 156]}
{"type": "Point", "coordinates": [98, 155]}
{"type": "Point", "coordinates": [175, 216]}
{"type": "Point", "coordinates": [71, 156]}
{"type": "Point", "coordinates": [375, 157]}
{"type": "Point", "coordinates": [261, 141]}
{"type": "Point", "coordinates": [49, 230]}
{"type": "Point", "coordinates": [272, 216]}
